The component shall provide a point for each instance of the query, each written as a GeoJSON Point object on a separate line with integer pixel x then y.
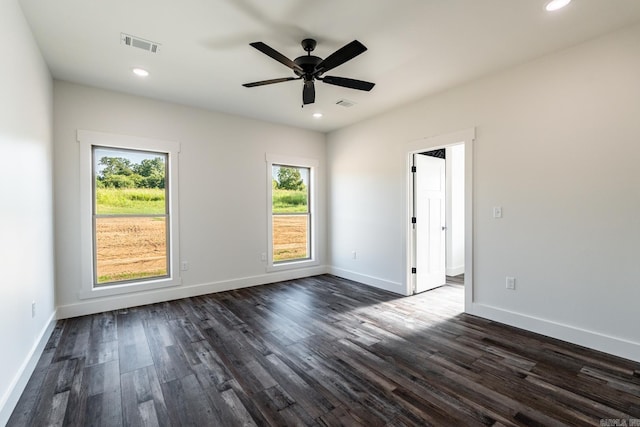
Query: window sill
{"type": "Point", "coordinates": [128, 288]}
{"type": "Point", "coordinates": [292, 265]}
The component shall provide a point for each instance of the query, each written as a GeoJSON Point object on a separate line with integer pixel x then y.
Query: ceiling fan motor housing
{"type": "Point", "coordinates": [308, 64]}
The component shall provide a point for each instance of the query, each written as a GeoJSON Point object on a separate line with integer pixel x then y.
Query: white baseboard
{"type": "Point", "coordinates": [593, 340]}
{"type": "Point", "coordinates": [455, 271]}
{"type": "Point", "coordinates": [99, 305]}
{"type": "Point", "coordinates": [17, 386]}
{"type": "Point", "coordinates": [376, 282]}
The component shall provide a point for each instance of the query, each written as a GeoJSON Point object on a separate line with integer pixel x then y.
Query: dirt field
{"type": "Point", "coordinates": [289, 237]}
{"type": "Point", "coordinates": [132, 248]}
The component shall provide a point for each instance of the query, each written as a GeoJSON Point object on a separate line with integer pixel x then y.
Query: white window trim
{"type": "Point", "coordinates": [88, 139]}
{"type": "Point", "coordinates": [312, 164]}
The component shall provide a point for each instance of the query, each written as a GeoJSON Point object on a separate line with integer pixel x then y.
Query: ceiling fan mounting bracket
{"type": "Point", "coordinates": [308, 45]}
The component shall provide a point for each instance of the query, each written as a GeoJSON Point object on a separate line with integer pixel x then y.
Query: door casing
{"type": "Point", "coordinates": [466, 137]}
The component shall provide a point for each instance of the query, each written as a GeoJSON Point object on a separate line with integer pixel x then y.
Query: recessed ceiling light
{"type": "Point", "coordinates": [556, 4]}
{"type": "Point", "coordinates": [317, 115]}
{"type": "Point", "coordinates": [140, 72]}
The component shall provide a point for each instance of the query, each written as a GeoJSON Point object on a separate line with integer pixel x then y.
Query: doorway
{"type": "Point", "coordinates": [439, 232]}
{"type": "Point", "coordinates": [438, 217]}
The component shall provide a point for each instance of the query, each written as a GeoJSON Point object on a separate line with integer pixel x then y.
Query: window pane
{"type": "Point", "coordinates": [290, 209]}
{"type": "Point", "coordinates": [290, 237]}
{"type": "Point", "coordinates": [290, 192]}
{"type": "Point", "coordinates": [129, 182]}
{"type": "Point", "coordinates": [130, 248]}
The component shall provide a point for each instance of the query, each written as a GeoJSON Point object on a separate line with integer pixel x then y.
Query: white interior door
{"type": "Point", "coordinates": [430, 237]}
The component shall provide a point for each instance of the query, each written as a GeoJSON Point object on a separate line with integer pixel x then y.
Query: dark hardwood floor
{"type": "Point", "coordinates": [320, 351]}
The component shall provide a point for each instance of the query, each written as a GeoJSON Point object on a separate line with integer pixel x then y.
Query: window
{"type": "Point", "coordinates": [291, 212]}
{"type": "Point", "coordinates": [129, 213]}
{"type": "Point", "coordinates": [290, 215]}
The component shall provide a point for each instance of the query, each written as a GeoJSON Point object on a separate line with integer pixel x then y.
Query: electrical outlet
{"type": "Point", "coordinates": [354, 255]}
{"type": "Point", "coordinates": [33, 309]}
{"type": "Point", "coordinates": [263, 257]}
{"type": "Point", "coordinates": [511, 283]}
{"type": "Point", "coordinates": [184, 265]}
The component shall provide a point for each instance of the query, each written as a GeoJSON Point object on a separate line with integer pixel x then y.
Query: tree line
{"type": "Point", "coordinates": [119, 172]}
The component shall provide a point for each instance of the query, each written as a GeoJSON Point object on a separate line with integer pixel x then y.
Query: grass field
{"type": "Point", "coordinates": [130, 201]}
{"type": "Point", "coordinates": [152, 201]}
{"type": "Point", "coordinates": [289, 201]}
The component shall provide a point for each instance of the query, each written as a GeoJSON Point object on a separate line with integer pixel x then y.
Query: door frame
{"type": "Point", "coordinates": [465, 137]}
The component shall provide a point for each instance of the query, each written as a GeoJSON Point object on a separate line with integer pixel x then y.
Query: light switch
{"type": "Point", "coordinates": [497, 212]}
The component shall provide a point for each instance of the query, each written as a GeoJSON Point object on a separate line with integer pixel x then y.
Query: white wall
{"type": "Point", "coordinates": [223, 201]}
{"type": "Point", "coordinates": [26, 225]}
{"type": "Point", "coordinates": [556, 147]}
{"type": "Point", "coordinates": [455, 209]}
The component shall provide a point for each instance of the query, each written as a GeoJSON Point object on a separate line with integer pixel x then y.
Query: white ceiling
{"type": "Point", "coordinates": [416, 47]}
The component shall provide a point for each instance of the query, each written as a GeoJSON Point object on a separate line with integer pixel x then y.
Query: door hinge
{"type": "Point", "coordinates": [414, 169]}
{"type": "Point", "coordinates": [413, 220]}
{"type": "Point", "coordinates": [413, 270]}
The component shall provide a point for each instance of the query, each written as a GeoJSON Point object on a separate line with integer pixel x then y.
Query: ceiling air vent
{"type": "Point", "coordinates": [134, 41]}
{"type": "Point", "coordinates": [345, 103]}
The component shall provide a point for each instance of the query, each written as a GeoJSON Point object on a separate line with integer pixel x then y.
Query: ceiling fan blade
{"type": "Point", "coordinates": [308, 92]}
{"type": "Point", "coordinates": [341, 56]}
{"type": "Point", "coordinates": [350, 83]}
{"type": "Point", "coordinates": [269, 51]}
{"type": "Point", "coordinates": [268, 82]}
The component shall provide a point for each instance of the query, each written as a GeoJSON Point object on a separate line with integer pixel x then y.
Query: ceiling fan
{"type": "Point", "coordinates": [310, 68]}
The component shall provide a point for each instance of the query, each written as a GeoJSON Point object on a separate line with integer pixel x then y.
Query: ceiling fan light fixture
{"type": "Point", "coordinates": [556, 4]}
{"type": "Point", "coordinates": [140, 72]}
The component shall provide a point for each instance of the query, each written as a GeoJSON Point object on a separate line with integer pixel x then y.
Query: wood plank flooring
{"type": "Point", "coordinates": [320, 351]}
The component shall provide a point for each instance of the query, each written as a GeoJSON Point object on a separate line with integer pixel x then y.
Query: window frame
{"type": "Point", "coordinates": [89, 139]}
{"type": "Point", "coordinates": [97, 216]}
{"type": "Point", "coordinates": [312, 165]}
